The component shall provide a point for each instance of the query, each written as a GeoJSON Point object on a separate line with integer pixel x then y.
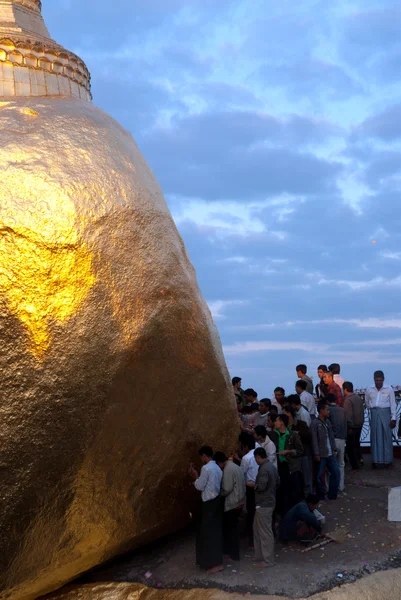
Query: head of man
{"type": "Point", "coordinates": [254, 408]}
{"type": "Point", "coordinates": [323, 409]}
{"type": "Point", "coordinates": [220, 459]}
{"type": "Point", "coordinates": [247, 442]}
{"type": "Point", "coordinates": [321, 370]}
{"type": "Point", "coordinates": [271, 419]}
{"type": "Point", "coordinates": [312, 501]}
{"type": "Point", "coordinates": [236, 381]}
{"type": "Point", "coordinates": [328, 378]}
{"type": "Point", "coordinates": [246, 410]}
{"type": "Point", "coordinates": [300, 386]}
{"type": "Point", "coordinates": [295, 401]}
{"type": "Point", "coordinates": [301, 371]}
{"type": "Point", "coordinates": [279, 394]}
{"type": "Point", "coordinates": [250, 396]}
{"type": "Point", "coordinates": [290, 412]}
{"type": "Point", "coordinates": [335, 368]}
{"type": "Point", "coordinates": [260, 433]}
{"type": "Point", "coordinates": [348, 388]}
{"type": "Point", "coordinates": [331, 399]}
{"type": "Point", "coordinates": [260, 456]}
{"type": "Point", "coordinates": [281, 423]}
{"type": "Point", "coordinates": [206, 454]}
{"type": "Point", "coordinates": [264, 406]}
{"type": "Point", "coordinates": [378, 377]}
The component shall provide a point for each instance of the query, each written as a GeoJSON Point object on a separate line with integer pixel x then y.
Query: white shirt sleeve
{"type": "Point", "coordinates": [201, 482]}
{"type": "Point", "coordinates": [393, 405]}
{"type": "Point", "coordinates": [367, 399]}
{"type": "Point", "coordinates": [271, 453]}
{"type": "Point", "coordinates": [245, 468]}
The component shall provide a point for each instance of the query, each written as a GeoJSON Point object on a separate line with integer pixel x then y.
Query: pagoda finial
{"type": "Point", "coordinates": [31, 63]}
{"type": "Point", "coordinates": [35, 5]}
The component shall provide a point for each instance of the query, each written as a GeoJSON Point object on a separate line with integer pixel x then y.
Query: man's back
{"type": "Point", "coordinates": [266, 484]}
{"type": "Point", "coordinates": [233, 480]}
{"type": "Point", "coordinates": [308, 402]}
{"type": "Point", "coordinates": [300, 512]}
{"type": "Point", "coordinates": [309, 383]}
{"type": "Point", "coordinates": [354, 409]}
{"type": "Point", "coordinates": [258, 419]}
{"type": "Point", "coordinates": [338, 421]}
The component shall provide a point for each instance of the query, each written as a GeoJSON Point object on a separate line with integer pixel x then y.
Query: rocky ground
{"type": "Point", "coordinates": [373, 544]}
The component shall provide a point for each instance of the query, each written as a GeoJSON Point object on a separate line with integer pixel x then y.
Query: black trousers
{"type": "Point", "coordinates": [354, 447]}
{"type": "Point", "coordinates": [209, 542]}
{"type": "Point", "coordinates": [231, 533]}
{"type": "Point", "coordinates": [250, 510]}
{"type": "Point", "coordinates": [290, 490]}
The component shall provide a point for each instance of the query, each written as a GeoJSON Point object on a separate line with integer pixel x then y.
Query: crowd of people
{"type": "Point", "coordinates": [290, 458]}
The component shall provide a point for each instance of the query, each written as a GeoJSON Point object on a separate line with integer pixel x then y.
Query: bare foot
{"type": "Point", "coordinates": [215, 569]}
{"type": "Point", "coordinates": [262, 565]}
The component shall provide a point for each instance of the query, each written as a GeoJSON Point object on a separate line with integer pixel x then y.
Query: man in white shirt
{"type": "Point", "coordinates": [301, 413]}
{"type": "Point", "coordinates": [380, 400]}
{"type": "Point", "coordinates": [266, 443]}
{"type": "Point", "coordinates": [279, 399]}
{"type": "Point", "coordinates": [307, 400]}
{"type": "Point", "coordinates": [209, 543]}
{"type": "Point", "coordinates": [250, 470]}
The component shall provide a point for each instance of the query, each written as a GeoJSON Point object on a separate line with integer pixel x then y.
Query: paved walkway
{"type": "Point", "coordinates": [373, 544]}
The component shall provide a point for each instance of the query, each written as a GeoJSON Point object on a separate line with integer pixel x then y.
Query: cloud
{"type": "Point", "coordinates": [387, 254]}
{"type": "Point", "coordinates": [385, 126]}
{"type": "Point", "coordinates": [273, 346]}
{"type": "Point", "coordinates": [274, 130]}
{"type": "Point", "coordinates": [218, 307]}
{"type": "Point", "coordinates": [236, 155]}
{"type": "Point", "coordinates": [377, 30]}
{"type": "Point", "coordinates": [366, 323]}
{"type": "Point", "coordinates": [310, 77]}
{"type": "Point", "coordinates": [377, 282]}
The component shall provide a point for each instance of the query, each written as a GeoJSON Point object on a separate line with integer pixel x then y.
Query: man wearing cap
{"type": "Point", "coordinates": [380, 400]}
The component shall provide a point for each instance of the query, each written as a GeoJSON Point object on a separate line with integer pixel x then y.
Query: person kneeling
{"type": "Point", "coordinates": [267, 482]}
{"type": "Point", "coordinates": [300, 523]}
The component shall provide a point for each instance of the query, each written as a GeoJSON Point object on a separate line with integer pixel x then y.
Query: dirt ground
{"type": "Point", "coordinates": [373, 544]}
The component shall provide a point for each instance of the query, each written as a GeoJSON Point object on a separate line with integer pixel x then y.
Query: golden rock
{"type": "Point", "coordinates": [112, 372]}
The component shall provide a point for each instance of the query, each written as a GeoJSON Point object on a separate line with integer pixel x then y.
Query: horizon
{"type": "Point", "coordinates": [274, 130]}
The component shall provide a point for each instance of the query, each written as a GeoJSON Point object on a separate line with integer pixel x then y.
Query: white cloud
{"type": "Point", "coordinates": [368, 323]}
{"type": "Point", "coordinates": [376, 343]}
{"type": "Point", "coordinates": [363, 285]}
{"type": "Point", "coordinates": [217, 307]}
{"type": "Point", "coordinates": [390, 255]}
{"type": "Point", "coordinates": [273, 346]}
{"type": "Point", "coordinates": [240, 260]}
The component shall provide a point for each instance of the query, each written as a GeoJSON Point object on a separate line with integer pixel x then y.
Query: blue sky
{"type": "Point", "coordinates": [274, 129]}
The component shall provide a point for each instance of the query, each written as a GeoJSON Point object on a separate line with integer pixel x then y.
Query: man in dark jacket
{"type": "Point", "coordinates": [290, 451]}
{"type": "Point", "coordinates": [324, 451]}
{"type": "Point", "coordinates": [355, 411]}
{"type": "Point", "coordinates": [300, 522]}
{"type": "Point", "coordinates": [266, 484]}
{"type": "Point", "coordinates": [306, 438]}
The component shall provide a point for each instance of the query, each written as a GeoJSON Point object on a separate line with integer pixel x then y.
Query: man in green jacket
{"type": "Point", "coordinates": [290, 451]}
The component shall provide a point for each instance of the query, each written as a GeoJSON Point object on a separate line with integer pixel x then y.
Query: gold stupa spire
{"type": "Point", "coordinates": [31, 63]}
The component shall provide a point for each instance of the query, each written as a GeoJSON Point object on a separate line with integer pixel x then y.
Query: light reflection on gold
{"type": "Point", "coordinates": [45, 272]}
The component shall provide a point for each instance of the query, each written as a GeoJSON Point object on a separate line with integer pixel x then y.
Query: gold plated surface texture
{"type": "Point", "coordinates": [112, 372]}
{"type": "Point", "coordinates": [31, 63]}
